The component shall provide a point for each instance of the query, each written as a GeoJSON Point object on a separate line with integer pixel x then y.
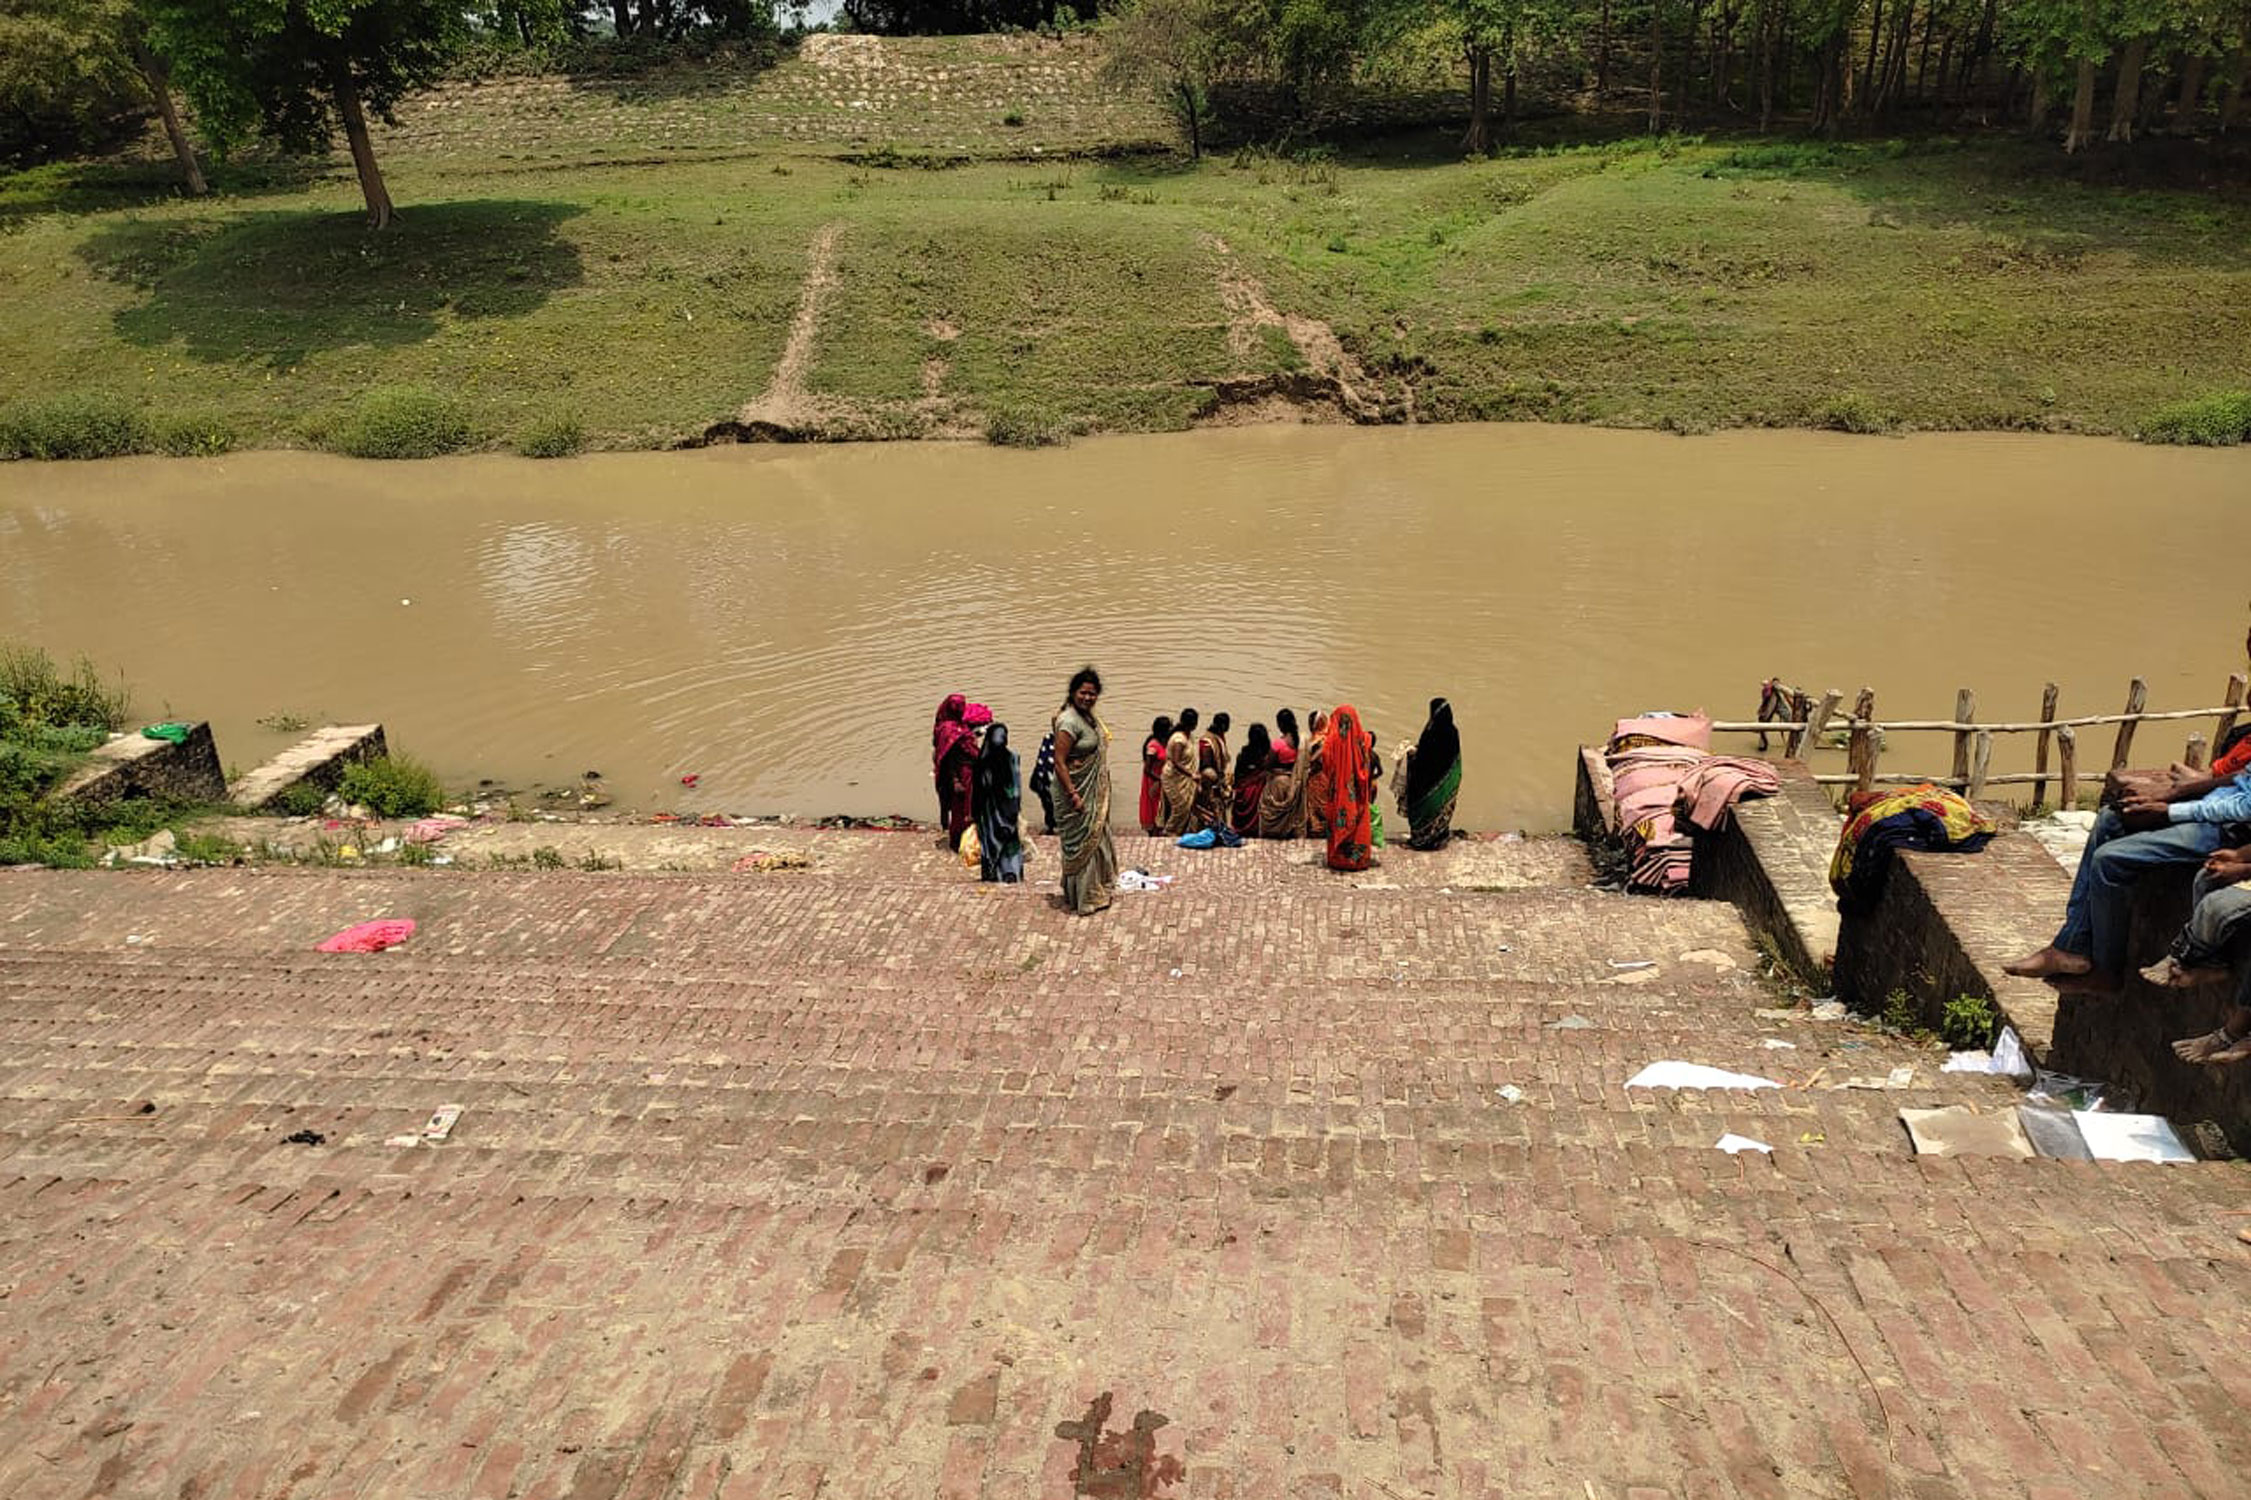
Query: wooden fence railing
{"type": "Point", "coordinates": [1971, 772]}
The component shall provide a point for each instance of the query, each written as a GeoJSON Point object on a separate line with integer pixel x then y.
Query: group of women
{"type": "Point", "coordinates": [1287, 785]}
{"type": "Point", "coordinates": [1318, 783]}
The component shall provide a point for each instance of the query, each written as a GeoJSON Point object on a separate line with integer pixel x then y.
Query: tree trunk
{"type": "Point", "coordinates": [2082, 108]}
{"type": "Point", "coordinates": [1602, 56]}
{"type": "Point", "coordinates": [1656, 64]}
{"type": "Point", "coordinates": [2123, 102]}
{"type": "Point", "coordinates": [1981, 50]}
{"type": "Point", "coordinates": [621, 16]}
{"type": "Point", "coordinates": [1875, 36]}
{"type": "Point", "coordinates": [363, 150]}
{"type": "Point", "coordinates": [159, 79]}
{"type": "Point", "coordinates": [2036, 120]}
{"type": "Point", "coordinates": [1508, 98]}
{"type": "Point", "coordinates": [2192, 91]}
{"type": "Point", "coordinates": [1686, 93]}
{"type": "Point", "coordinates": [2231, 108]}
{"type": "Point", "coordinates": [1766, 66]}
{"type": "Point", "coordinates": [1923, 64]}
{"type": "Point", "coordinates": [1478, 139]}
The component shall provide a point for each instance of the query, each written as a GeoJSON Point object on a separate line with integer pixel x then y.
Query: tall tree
{"type": "Point", "coordinates": [76, 67]}
{"type": "Point", "coordinates": [297, 69]}
{"type": "Point", "coordinates": [1170, 47]}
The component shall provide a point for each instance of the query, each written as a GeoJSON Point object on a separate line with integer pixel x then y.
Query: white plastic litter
{"type": "Point", "coordinates": [1776, 1044]}
{"type": "Point", "coordinates": [1572, 1022]}
{"type": "Point", "coordinates": [1139, 880]}
{"type": "Point", "coordinates": [1828, 1010]}
{"type": "Point", "coordinates": [1736, 1145]}
{"type": "Point", "coordinates": [1633, 963]}
{"type": "Point", "coordinates": [2129, 1137]}
{"type": "Point", "coordinates": [1511, 1093]}
{"type": "Point", "coordinates": [2007, 1058]}
{"type": "Point", "coordinates": [441, 1122]}
{"type": "Point", "coordinates": [1972, 1060]}
{"type": "Point", "coordinates": [1688, 1075]}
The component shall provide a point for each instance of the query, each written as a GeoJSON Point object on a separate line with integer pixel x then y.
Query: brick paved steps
{"type": "Point", "coordinates": [688, 1239]}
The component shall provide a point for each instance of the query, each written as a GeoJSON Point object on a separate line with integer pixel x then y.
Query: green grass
{"type": "Point", "coordinates": [540, 293]}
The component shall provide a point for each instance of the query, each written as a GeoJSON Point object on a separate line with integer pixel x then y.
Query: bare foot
{"type": "Point", "coordinates": [2049, 963]}
{"type": "Point", "coordinates": [2239, 1052]}
{"type": "Point", "coordinates": [2170, 973]}
{"type": "Point", "coordinates": [2091, 982]}
{"type": "Point", "coordinates": [2207, 1048]}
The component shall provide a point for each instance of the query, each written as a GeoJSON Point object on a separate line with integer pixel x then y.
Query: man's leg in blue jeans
{"type": "Point", "coordinates": [2093, 934]}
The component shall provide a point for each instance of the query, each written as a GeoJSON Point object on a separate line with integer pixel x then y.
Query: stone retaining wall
{"type": "Point", "coordinates": [1772, 862]}
{"type": "Point", "coordinates": [135, 766]}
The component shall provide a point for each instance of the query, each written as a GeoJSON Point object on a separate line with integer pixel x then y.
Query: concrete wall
{"type": "Point", "coordinates": [134, 766]}
{"type": "Point", "coordinates": [1772, 862]}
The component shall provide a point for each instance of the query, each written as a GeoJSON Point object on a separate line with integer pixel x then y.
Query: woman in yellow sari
{"type": "Point", "coordinates": [1314, 761]}
{"type": "Point", "coordinates": [1177, 785]}
{"type": "Point", "coordinates": [1082, 812]}
{"type": "Point", "coordinates": [1215, 777]}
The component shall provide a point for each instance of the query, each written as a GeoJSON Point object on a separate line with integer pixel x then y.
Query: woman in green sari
{"type": "Point", "coordinates": [1432, 779]}
{"type": "Point", "coordinates": [1082, 811]}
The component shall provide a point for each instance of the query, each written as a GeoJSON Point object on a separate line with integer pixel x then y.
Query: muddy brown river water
{"type": "Point", "coordinates": [781, 622]}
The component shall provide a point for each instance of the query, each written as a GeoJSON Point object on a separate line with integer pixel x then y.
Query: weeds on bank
{"type": "Point", "coordinates": [50, 720]}
{"type": "Point", "coordinates": [2219, 420]}
{"type": "Point", "coordinates": [94, 424]}
{"type": "Point", "coordinates": [393, 786]}
{"type": "Point", "coordinates": [1969, 1022]}
{"type": "Point", "coordinates": [396, 421]}
{"type": "Point", "coordinates": [556, 435]}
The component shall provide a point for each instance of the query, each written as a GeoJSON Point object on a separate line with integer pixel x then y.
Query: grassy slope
{"type": "Point", "coordinates": [1947, 286]}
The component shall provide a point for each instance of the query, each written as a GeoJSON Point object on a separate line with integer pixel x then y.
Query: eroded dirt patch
{"type": "Point", "coordinates": [1333, 385]}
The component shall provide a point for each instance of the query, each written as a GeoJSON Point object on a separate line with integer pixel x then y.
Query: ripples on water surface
{"type": "Point", "coordinates": [782, 622]}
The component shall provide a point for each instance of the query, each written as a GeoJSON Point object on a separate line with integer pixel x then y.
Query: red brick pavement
{"type": "Point", "coordinates": [870, 1182]}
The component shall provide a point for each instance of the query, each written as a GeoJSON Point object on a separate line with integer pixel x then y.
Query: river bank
{"type": "Point", "coordinates": [780, 623]}
{"type": "Point", "coordinates": [554, 302]}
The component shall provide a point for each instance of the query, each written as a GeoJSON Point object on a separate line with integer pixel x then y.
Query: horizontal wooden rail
{"type": "Point", "coordinates": [1950, 726]}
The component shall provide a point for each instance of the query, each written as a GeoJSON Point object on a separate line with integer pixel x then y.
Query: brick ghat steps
{"type": "Point", "coordinates": [863, 1182]}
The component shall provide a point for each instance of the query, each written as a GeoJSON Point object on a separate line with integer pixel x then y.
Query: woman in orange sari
{"type": "Point", "coordinates": [1348, 753]}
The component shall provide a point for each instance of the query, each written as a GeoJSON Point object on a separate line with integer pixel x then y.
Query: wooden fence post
{"type": "Point", "coordinates": [2234, 701]}
{"type": "Point", "coordinates": [2067, 756]}
{"type": "Point", "coordinates": [2137, 699]}
{"type": "Point", "coordinates": [2040, 750]}
{"type": "Point", "coordinates": [2193, 757]}
{"type": "Point", "coordinates": [1981, 764]}
{"type": "Point", "coordinates": [1817, 722]}
{"type": "Point", "coordinates": [1965, 710]}
{"type": "Point", "coordinates": [1860, 750]}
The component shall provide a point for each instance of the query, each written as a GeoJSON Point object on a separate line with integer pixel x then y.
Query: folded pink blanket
{"type": "Point", "coordinates": [1714, 785]}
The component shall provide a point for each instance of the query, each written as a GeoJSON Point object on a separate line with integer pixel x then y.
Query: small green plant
{"type": "Point", "coordinates": [76, 424]}
{"type": "Point", "coordinates": [595, 859]}
{"type": "Point", "coordinates": [1901, 1014]}
{"type": "Point", "coordinates": [548, 857]}
{"type": "Point", "coordinates": [1338, 244]}
{"type": "Point", "coordinates": [300, 801]}
{"type": "Point", "coordinates": [1014, 117]}
{"type": "Point", "coordinates": [207, 849]}
{"type": "Point", "coordinates": [190, 435]}
{"type": "Point", "coordinates": [2219, 420]}
{"type": "Point", "coordinates": [393, 786]}
{"type": "Point", "coordinates": [1018, 428]}
{"type": "Point", "coordinates": [1855, 413]}
{"type": "Point", "coordinates": [415, 854]}
{"type": "Point", "coordinates": [284, 722]}
{"type": "Point", "coordinates": [556, 435]}
{"type": "Point", "coordinates": [1969, 1021]}
{"type": "Point", "coordinates": [399, 421]}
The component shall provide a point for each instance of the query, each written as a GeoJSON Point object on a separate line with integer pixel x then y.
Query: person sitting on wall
{"type": "Point", "coordinates": [2216, 932]}
{"type": "Point", "coordinates": [2147, 829]}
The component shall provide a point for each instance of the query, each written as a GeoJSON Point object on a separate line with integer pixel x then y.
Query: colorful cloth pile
{"type": "Point", "coordinates": [1711, 790]}
{"type": "Point", "coordinates": [1648, 757]}
{"type": "Point", "coordinates": [1880, 823]}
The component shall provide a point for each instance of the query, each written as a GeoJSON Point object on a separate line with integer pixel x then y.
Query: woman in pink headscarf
{"type": "Point", "coordinates": [957, 772]}
{"type": "Point", "coordinates": [952, 748]}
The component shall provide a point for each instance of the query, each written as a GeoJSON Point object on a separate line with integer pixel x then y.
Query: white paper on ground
{"type": "Point", "coordinates": [2130, 1137]}
{"type": "Point", "coordinates": [1976, 1060]}
{"type": "Point", "coordinates": [1736, 1145]}
{"type": "Point", "coordinates": [2008, 1055]}
{"type": "Point", "coordinates": [1688, 1075]}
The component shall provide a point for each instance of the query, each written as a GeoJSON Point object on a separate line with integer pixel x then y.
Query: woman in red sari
{"type": "Point", "coordinates": [1153, 773]}
{"type": "Point", "coordinates": [1348, 755]}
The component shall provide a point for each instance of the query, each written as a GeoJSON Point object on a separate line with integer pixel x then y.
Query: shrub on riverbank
{"type": "Point", "coordinates": [76, 424]}
{"type": "Point", "coordinates": [2219, 420]}
{"type": "Point", "coordinates": [49, 720]}
{"type": "Point", "coordinates": [393, 786]}
{"type": "Point", "coordinates": [398, 421]}
{"type": "Point", "coordinates": [556, 435]}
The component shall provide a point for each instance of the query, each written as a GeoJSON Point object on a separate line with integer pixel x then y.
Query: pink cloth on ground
{"type": "Point", "coordinates": [1693, 730]}
{"type": "Point", "coordinates": [370, 937]}
{"type": "Point", "coordinates": [1713, 786]}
